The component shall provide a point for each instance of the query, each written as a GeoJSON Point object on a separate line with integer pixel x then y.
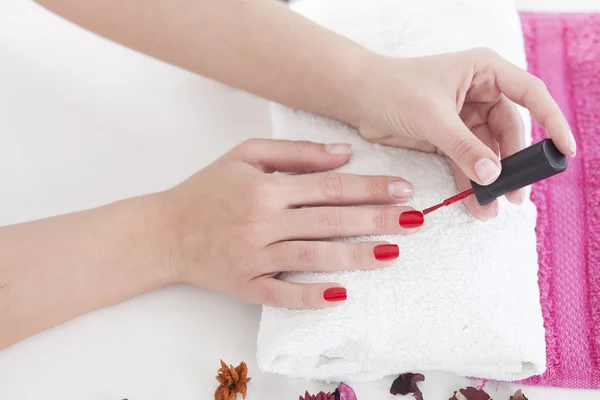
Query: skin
{"type": "Point", "coordinates": [264, 48]}
{"type": "Point", "coordinates": [234, 226]}
{"type": "Point", "coordinates": [231, 227]}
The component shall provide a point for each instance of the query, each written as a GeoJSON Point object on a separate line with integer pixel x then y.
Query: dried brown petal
{"type": "Point", "coordinates": [470, 393]}
{"type": "Point", "coordinates": [407, 383]}
{"type": "Point", "coordinates": [232, 381]}
{"type": "Point", "coordinates": [518, 396]}
{"type": "Point", "coordinates": [222, 393]}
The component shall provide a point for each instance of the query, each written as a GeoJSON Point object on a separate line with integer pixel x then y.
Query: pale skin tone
{"type": "Point", "coordinates": [233, 226]}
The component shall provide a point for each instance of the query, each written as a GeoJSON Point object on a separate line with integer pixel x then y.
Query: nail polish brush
{"type": "Point", "coordinates": [532, 164]}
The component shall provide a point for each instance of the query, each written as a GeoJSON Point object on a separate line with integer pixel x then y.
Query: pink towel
{"type": "Point", "coordinates": [564, 51]}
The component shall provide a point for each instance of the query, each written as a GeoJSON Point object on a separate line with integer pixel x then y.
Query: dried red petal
{"type": "Point", "coordinates": [344, 392]}
{"type": "Point", "coordinates": [518, 396]}
{"type": "Point", "coordinates": [407, 383]}
{"type": "Point", "coordinates": [318, 396]}
{"type": "Point", "coordinates": [470, 393]}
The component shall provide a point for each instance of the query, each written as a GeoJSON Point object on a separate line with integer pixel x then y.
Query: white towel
{"type": "Point", "coordinates": [463, 296]}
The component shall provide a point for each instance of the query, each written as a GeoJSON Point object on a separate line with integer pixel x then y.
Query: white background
{"type": "Point", "coordinates": [84, 122]}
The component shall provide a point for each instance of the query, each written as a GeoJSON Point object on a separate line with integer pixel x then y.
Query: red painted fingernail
{"type": "Point", "coordinates": [411, 219]}
{"type": "Point", "coordinates": [335, 294]}
{"type": "Point", "coordinates": [385, 252]}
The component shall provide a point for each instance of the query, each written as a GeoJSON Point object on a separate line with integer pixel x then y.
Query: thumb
{"type": "Point", "coordinates": [472, 156]}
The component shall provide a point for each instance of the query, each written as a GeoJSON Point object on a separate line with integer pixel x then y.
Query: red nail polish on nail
{"type": "Point", "coordinates": [411, 219]}
{"type": "Point", "coordinates": [385, 252]}
{"type": "Point", "coordinates": [335, 294]}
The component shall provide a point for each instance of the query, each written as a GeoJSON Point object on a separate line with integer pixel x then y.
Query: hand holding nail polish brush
{"type": "Point", "coordinates": [532, 164]}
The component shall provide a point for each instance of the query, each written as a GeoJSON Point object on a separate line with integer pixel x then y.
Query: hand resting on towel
{"type": "Point", "coordinates": [233, 226]}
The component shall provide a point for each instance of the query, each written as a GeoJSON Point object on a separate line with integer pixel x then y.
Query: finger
{"type": "Point", "coordinates": [271, 155]}
{"type": "Point", "coordinates": [329, 188]}
{"type": "Point", "coordinates": [330, 222]}
{"type": "Point", "coordinates": [483, 133]}
{"type": "Point", "coordinates": [531, 92]}
{"type": "Point", "coordinates": [326, 256]}
{"type": "Point", "coordinates": [508, 129]}
{"type": "Point", "coordinates": [277, 293]}
{"type": "Point", "coordinates": [473, 157]}
{"type": "Point", "coordinates": [478, 211]}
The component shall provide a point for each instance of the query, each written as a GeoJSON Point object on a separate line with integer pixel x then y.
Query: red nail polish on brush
{"type": "Point", "coordinates": [335, 294]}
{"type": "Point", "coordinates": [411, 219]}
{"type": "Point", "coordinates": [386, 252]}
{"type": "Point", "coordinates": [530, 165]}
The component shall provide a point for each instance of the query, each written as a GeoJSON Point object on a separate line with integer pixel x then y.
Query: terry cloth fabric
{"type": "Point", "coordinates": [564, 51]}
{"type": "Point", "coordinates": [463, 296]}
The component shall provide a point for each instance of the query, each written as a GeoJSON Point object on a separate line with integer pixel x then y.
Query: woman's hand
{"type": "Point", "coordinates": [235, 225]}
{"type": "Point", "coordinates": [460, 104]}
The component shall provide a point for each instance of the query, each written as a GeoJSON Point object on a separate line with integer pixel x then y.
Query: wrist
{"type": "Point", "coordinates": [349, 79]}
{"type": "Point", "coordinates": [156, 229]}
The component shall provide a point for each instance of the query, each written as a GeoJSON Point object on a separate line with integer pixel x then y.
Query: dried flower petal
{"type": "Point", "coordinates": [318, 396]}
{"type": "Point", "coordinates": [232, 381]}
{"type": "Point", "coordinates": [470, 393]}
{"type": "Point", "coordinates": [344, 392]}
{"type": "Point", "coordinates": [407, 383]}
{"type": "Point", "coordinates": [518, 396]}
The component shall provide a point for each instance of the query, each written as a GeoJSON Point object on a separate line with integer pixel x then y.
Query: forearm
{"type": "Point", "coordinates": [256, 45]}
{"type": "Point", "coordinates": [55, 269]}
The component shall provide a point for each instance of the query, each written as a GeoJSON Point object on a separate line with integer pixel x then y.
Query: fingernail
{"type": "Point", "coordinates": [572, 144]}
{"type": "Point", "coordinates": [411, 219]}
{"type": "Point", "coordinates": [400, 189]}
{"type": "Point", "coordinates": [338, 148]}
{"type": "Point", "coordinates": [487, 170]}
{"type": "Point", "coordinates": [335, 294]}
{"type": "Point", "coordinates": [386, 252]}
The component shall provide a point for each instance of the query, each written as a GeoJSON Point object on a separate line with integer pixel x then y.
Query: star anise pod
{"type": "Point", "coordinates": [470, 393]}
{"type": "Point", "coordinates": [407, 383]}
{"type": "Point", "coordinates": [518, 396]}
{"type": "Point", "coordinates": [232, 381]}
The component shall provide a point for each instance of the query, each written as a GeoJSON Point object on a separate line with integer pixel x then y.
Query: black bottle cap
{"type": "Point", "coordinates": [532, 164]}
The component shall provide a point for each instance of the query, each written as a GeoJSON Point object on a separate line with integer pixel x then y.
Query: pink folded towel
{"type": "Point", "coordinates": [564, 51]}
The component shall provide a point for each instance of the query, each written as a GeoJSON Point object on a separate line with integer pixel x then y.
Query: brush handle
{"type": "Point", "coordinates": [532, 164]}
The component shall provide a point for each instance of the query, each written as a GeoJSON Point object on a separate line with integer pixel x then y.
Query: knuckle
{"type": "Point", "coordinates": [333, 186]}
{"type": "Point", "coordinates": [303, 146]}
{"type": "Point", "coordinates": [462, 148]}
{"type": "Point", "coordinates": [272, 297]}
{"type": "Point", "coordinates": [250, 144]}
{"type": "Point", "coordinates": [484, 52]}
{"type": "Point", "coordinates": [305, 299]}
{"type": "Point", "coordinates": [376, 188]}
{"type": "Point", "coordinates": [263, 191]}
{"type": "Point", "coordinates": [254, 226]}
{"type": "Point", "coordinates": [330, 219]}
{"type": "Point", "coordinates": [380, 220]}
{"type": "Point", "coordinates": [307, 255]}
{"type": "Point", "coordinates": [539, 85]}
{"type": "Point", "coordinates": [354, 255]}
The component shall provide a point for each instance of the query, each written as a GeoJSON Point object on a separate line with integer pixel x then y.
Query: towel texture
{"type": "Point", "coordinates": [564, 50]}
{"type": "Point", "coordinates": [463, 296]}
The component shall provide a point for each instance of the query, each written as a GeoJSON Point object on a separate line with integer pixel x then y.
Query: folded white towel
{"type": "Point", "coordinates": [463, 296]}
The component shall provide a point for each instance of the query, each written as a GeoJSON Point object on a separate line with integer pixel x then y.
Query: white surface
{"type": "Point", "coordinates": [84, 122]}
{"type": "Point", "coordinates": [423, 290]}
